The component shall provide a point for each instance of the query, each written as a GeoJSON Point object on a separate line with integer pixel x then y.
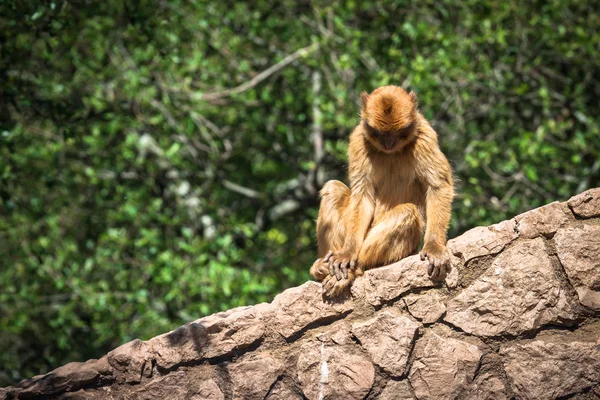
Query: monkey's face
{"type": "Point", "coordinates": [389, 115]}
{"type": "Point", "coordinates": [390, 140]}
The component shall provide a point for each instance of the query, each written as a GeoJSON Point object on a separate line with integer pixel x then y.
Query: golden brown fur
{"type": "Point", "coordinates": [400, 184]}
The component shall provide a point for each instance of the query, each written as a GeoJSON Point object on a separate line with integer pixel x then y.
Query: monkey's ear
{"type": "Point", "coordinates": [413, 97]}
{"type": "Point", "coordinates": [364, 96]}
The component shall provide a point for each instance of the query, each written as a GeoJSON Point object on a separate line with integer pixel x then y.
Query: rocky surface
{"type": "Point", "coordinates": [330, 371]}
{"type": "Point", "coordinates": [396, 390]}
{"type": "Point", "coordinates": [586, 204]}
{"type": "Point", "coordinates": [427, 307]}
{"type": "Point", "coordinates": [520, 292]}
{"type": "Point", "coordinates": [388, 338]}
{"type": "Point", "coordinates": [443, 366]}
{"type": "Point", "coordinates": [518, 317]}
{"type": "Point", "coordinates": [483, 240]}
{"type": "Point", "coordinates": [577, 248]}
{"type": "Point", "coordinates": [552, 367]}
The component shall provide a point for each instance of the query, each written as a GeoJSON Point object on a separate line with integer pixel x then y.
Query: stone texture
{"type": "Point", "coordinates": [196, 383]}
{"type": "Point", "coordinates": [442, 366]}
{"type": "Point", "coordinates": [333, 372]}
{"type": "Point", "coordinates": [207, 390]}
{"type": "Point", "coordinates": [282, 391]}
{"type": "Point", "coordinates": [544, 220]}
{"type": "Point", "coordinates": [520, 292]}
{"type": "Point", "coordinates": [578, 249]}
{"type": "Point", "coordinates": [252, 379]}
{"type": "Point", "coordinates": [487, 386]}
{"type": "Point", "coordinates": [68, 378]}
{"type": "Point", "coordinates": [396, 390]}
{"type": "Point", "coordinates": [541, 369]}
{"type": "Point", "coordinates": [507, 283]}
{"type": "Point", "coordinates": [297, 308]}
{"type": "Point", "coordinates": [101, 393]}
{"type": "Point", "coordinates": [452, 278]}
{"type": "Point", "coordinates": [339, 333]}
{"type": "Point", "coordinates": [217, 335]}
{"type": "Point", "coordinates": [388, 338]}
{"type": "Point", "coordinates": [483, 240]}
{"type": "Point", "coordinates": [384, 284]}
{"type": "Point", "coordinates": [586, 204]}
{"type": "Point", "coordinates": [427, 308]}
{"type": "Point", "coordinates": [131, 361]}
{"type": "Point", "coordinates": [6, 392]}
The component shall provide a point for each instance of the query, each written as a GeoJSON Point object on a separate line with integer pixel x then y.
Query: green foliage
{"type": "Point", "coordinates": [137, 192]}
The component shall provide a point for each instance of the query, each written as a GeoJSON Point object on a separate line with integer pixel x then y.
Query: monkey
{"type": "Point", "coordinates": [401, 186]}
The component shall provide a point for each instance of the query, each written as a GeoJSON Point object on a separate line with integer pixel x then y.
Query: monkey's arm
{"type": "Point", "coordinates": [360, 216]}
{"type": "Point", "coordinates": [436, 175]}
{"type": "Point", "coordinates": [438, 208]}
{"type": "Point", "coordinates": [359, 213]}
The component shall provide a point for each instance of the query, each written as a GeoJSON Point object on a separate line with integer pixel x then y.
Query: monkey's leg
{"type": "Point", "coordinates": [331, 231]}
{"type": "Point", "coordinates": [395, 235]}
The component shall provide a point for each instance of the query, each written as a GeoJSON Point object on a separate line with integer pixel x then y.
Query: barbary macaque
{"type": "Point", "coordinates": [400, 184]}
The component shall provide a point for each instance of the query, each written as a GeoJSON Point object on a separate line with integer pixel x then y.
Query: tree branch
{"type": "Point", "coordinates": [234, 187]}
{"type": "Point", "coordinates": [263, 75]}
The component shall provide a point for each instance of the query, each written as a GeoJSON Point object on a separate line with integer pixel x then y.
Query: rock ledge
{"type": "Point", "coordinates": [525, 324]}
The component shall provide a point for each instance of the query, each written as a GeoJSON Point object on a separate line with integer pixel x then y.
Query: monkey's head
{"type": "Point", "coordinates": [389, 116]}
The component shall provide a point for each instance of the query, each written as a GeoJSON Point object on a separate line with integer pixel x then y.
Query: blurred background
{"type": "Point", "coordinates": [160, 160]}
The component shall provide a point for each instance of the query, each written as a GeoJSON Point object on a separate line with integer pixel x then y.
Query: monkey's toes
{"type": "Point", "coordinates": [438, 268]}
{"type": "Point", "coordinates": [332, 287]}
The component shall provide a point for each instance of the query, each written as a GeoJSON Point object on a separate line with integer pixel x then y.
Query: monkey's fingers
{"type": "Point", "coordinates": [327, 256]}
{"type": "Point", "coordinates": [439, 267]}
{"type": "Point", "coordinates": [435, 269]}
{"type": "Point", "coordinates": [344, 268]}
{"type": "Point", "coordinates": [338, 272]}
{"type": "Point", "coordinates": [423, 256]}
{"type": "Point", "coordinates": [448, 266]}
{"type": "Point", "coordinates": [430, 268]}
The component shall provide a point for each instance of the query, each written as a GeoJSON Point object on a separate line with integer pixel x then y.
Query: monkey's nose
{"type": "Point", "coordinates": [388, 143]}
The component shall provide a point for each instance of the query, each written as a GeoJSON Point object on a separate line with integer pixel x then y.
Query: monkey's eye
{"type": "Point", "coordinates": [372, 131]}
{"type": "Point", "coordinates": [405, 131]}
{"type": "Point", "coordinates": [376, 133]}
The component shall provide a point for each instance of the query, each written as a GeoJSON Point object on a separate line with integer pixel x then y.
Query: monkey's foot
{"type": "Point", "coordinates": [439, 264]}
{"type": "Point", "coordinates": [332, 287]}
{"type": "Point", "coordinates": [319, 269]}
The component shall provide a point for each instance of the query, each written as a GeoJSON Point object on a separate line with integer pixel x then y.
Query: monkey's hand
{"type": "Point", "coordinates": [342, 272]}
{"type": "Point", "coordinates": [319, 269]}
{"type": "Point", "coordinates": [339, 264]}
{"type": "Point", "coordinates": [439, 260]}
